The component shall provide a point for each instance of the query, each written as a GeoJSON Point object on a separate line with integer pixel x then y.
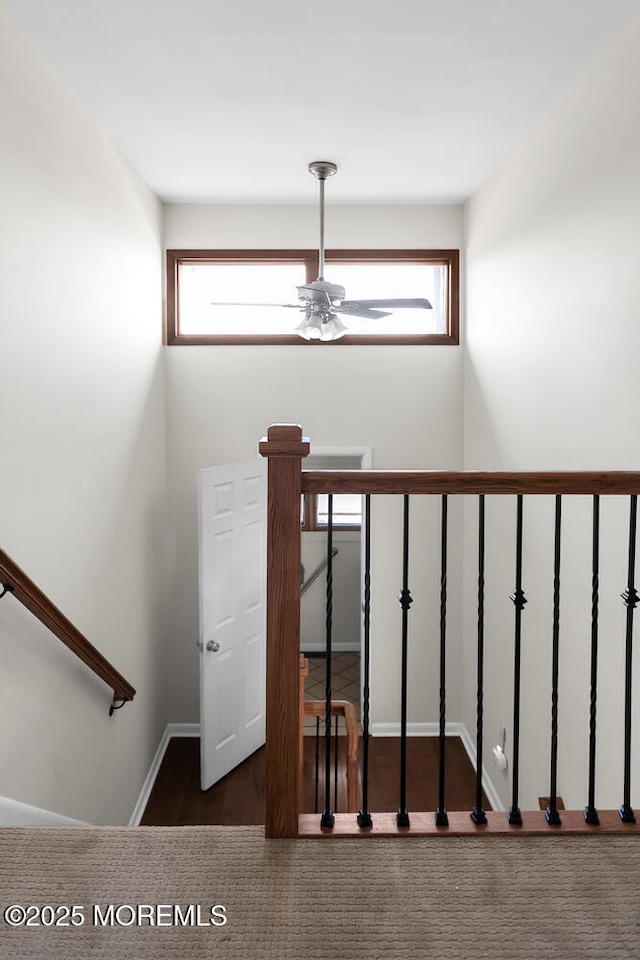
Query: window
{"type": "Point", "coordinates": [346, 511]}
{"type": "Point", "coordinates": [239, 296]}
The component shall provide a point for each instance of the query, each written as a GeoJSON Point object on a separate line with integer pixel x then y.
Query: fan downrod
{"type": "Point", "coordinates": [323, 169]}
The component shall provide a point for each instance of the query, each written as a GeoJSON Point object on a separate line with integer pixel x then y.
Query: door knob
{"type": "Point", "coordinates": [212, 645]}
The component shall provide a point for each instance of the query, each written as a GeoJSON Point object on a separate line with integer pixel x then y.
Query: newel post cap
{"type": "Point", "coordinates": [284, 440]}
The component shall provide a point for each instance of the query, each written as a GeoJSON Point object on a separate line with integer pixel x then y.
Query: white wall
{"type": "Point", "coordinates": [346, 592]}
{"type": "Point", "coordinates": [82, 400]}
{"type": "Point", "coordinates": [551, 382]}
{"type": "Point", "coordinates": [403, 402]}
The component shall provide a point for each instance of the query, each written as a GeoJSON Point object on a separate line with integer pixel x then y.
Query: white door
{"type": "Point", "coordinates": [232, 537]}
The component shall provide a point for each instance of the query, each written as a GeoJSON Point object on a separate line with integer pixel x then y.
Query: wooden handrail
{"type": "Point", "coordinates": [619, 482]}
{"type": "Point", "coordinates": [16, 581]}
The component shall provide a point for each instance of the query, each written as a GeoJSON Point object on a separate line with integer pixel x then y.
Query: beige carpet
{"type": "Point", "coordinates": [442, 898]}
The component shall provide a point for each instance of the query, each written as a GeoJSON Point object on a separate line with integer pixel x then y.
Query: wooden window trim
{"type": "Point", "coordinates": [311, 524]}
{"type": "Point", "coordinates": [175, 258]}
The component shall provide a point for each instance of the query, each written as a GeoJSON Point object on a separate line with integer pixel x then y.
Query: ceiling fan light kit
{"type": "Point", "coordinates": [316, 326]}
{"type": "Point", "coordinates": [322, 301]}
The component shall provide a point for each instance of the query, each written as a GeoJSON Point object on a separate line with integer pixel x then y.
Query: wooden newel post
{"type": "Point", "coordinates": [284, 446]}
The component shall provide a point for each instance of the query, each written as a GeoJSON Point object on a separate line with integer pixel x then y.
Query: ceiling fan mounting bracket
{"type": "Point", "coordinates": [323, 169]}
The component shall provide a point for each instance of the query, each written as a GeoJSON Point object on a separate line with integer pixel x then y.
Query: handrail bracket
{"type": "Point", "coordinates": [117, 704]}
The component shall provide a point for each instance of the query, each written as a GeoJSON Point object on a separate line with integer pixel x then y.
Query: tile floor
{"type": "Point", "coordinates": [345, 682]}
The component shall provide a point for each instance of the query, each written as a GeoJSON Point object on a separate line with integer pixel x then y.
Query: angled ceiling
{"type": "Point", "coordinates": [417, 101]}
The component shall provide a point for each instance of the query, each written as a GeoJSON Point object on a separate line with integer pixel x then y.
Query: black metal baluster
{"type": "Point", "coordinates": [442, 820]}
{"type": "Point", "coordinates": [328, 819]}
{"type": "Point", "coordinates": [477, 814]}
{"type": "Point", "coordinates": [364, 817]}
{"type": "Point", "coordinates": [630, 597]}
{"type": "Point", "coordinates": [315, 807]}
{"type": "Point", "coordinates": [335, 770]}
{"type": "Point", "coordinates": [590, 811]}
{"type": "Point", "coordinates": [519, 600]}
{"type": "Point", "coordinates": [551, 813]}
{"type": "Point", "coordinates": [402, 816]}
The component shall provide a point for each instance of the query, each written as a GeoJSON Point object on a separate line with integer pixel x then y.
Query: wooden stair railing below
{"type": "Point", "coordinates": [339, 708]}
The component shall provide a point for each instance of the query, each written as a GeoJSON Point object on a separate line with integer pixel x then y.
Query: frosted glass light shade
{"type": "Point", "coordinates": [317, 327]}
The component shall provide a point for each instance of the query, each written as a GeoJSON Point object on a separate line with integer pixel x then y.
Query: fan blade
{"type": "Point", "coordinates": [418, 303]}
{"type": "Point", "coordinates": [356, 309]}
{"type": "Point", "coordinates": [234, 303]}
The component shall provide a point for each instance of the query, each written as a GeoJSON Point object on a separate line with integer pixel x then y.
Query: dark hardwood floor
{"type": "Point", "coordinates": [238, 799]}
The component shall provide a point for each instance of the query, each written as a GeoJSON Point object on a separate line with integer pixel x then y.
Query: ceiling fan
{"type": "Point", "coordinates": [321, 301]}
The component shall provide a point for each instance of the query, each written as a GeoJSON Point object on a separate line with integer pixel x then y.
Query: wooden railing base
{"type": "Point", "coordinates": [461, 824]}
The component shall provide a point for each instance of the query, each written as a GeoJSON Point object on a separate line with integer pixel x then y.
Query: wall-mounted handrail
{"type": "Point", "coordinates": [15, 581]}
{"type": "Point", "coordinates": [316, 573]}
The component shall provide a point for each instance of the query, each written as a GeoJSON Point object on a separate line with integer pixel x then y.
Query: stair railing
{"type": "Point", "coordinates": [15, 581]}
{"type": "Point", "coordinates": [306, 583]}
{"type": "Point", "coordinates": [345, 710]}
{"type": "Point", "coordinates": [286, 448]}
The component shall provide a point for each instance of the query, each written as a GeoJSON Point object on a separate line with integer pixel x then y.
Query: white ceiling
{"type": "Point", "coordinates": [417, 101]}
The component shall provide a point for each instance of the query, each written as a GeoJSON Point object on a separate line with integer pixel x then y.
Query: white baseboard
{"type": "Point", "coordinates": [16, 814]}
{"type": "Point", "coordinates": [451, 730]}
{"type": "Point", "coordinates": [171, 730]}
{"type": "Point", "coordinates": [414, 729]}
{"type": "Point", "coordinates": [340, 646]}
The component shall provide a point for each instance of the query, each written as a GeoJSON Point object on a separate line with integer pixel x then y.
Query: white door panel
{"type": "Point", "coordinates": [232, 501]}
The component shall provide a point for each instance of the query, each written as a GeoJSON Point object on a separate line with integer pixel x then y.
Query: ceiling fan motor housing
{"type": "Point", "coordinates": [322, 291]}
